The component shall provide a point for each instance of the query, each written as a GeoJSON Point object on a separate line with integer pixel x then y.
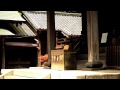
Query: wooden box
{"type": "Point", "coordinates": [63, 60]}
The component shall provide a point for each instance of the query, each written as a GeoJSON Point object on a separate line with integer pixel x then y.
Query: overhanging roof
{"type": "Point", "coordinates": [23, 29]}
{"type": "Point", "coordinates": [20, 28]}
{"type": "Point", "coordinates": [68, 23]}
{"type": "Point", "coordinates": [5, 32]}
{"type": "Point", "coordinates": [11, 15]}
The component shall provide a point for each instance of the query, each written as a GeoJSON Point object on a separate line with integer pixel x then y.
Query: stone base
{"type": "Point", "coordinates": [47, 64]}
{"type": "Point", "coordinates": [46, 67]}
{"type": "Point", "coordinates": [112, 67]}
{"type": "Point", "coordinates": [91, 69]}
{"type": "Point", "coordinates": [94, 64]}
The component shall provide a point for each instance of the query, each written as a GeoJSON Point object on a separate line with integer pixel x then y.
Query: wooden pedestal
{"type": "Point", "coordinates": [63, 60]}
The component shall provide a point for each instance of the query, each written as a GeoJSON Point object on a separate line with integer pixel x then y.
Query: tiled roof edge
{"type": "Point", "coordinates": [57, 13]}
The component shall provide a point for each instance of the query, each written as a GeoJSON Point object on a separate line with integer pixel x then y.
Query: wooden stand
{"type": "Point", "coordinates": [63, 60]}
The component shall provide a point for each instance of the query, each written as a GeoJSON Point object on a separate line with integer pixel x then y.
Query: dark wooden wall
{"type": "Point", "coordinates": [15, 53]}
{"type": "Point", "coordinates": [27, 56]}
{"type": "Point", "coordinates": [108, 21]}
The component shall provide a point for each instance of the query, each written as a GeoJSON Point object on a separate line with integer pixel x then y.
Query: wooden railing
{"type": "Point", "coordinates": [75, 41]}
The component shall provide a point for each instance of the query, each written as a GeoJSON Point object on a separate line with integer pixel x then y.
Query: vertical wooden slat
{"type": "Point", "coordinates": [110, 55]}
{"type": "Point", "coordinates": [107, 54]}
{"type": "Point", "coordinates": [119, 56]}
{"type": "Point", "coordinates": [116, 55]}
{"type": "Point", "coordinates": [113, 56]}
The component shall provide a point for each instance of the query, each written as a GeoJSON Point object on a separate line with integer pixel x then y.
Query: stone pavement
{"type": "Point", "coordinates": [79, 74]}
{"type": "Point", "coordinates": [42, 73]}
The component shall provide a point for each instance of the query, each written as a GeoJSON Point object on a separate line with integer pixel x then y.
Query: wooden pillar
{"type": "Point", "coordinates": [51, 35]}
{"type": "Point", "coordinates": [84, 23]}
{"type": "Point", "coordinates": [3, 54]}
{"type": "Point", "coordinates": [93, 41]}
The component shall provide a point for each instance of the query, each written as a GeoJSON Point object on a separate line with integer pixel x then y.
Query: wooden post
{"type": "Point", "coordinates": [51, 35]}
{"type": "Point", "coordinates": [3, 54]}
{"type": "Point", "coordinates": [93, 41]}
